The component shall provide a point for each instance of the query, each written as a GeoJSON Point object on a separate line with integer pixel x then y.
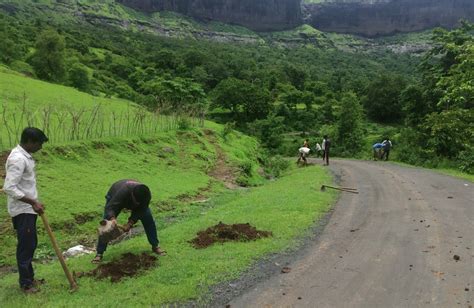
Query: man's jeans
{"type": "Point", "coordinates": [148, 224]}
{"type": "Point", "coordinates": [25, 226]}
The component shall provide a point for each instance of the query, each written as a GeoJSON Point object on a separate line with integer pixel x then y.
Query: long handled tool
{"type": "Point", "coordinates": [346, 189]}
{"type": "Point", "coordinates": [72, 283]}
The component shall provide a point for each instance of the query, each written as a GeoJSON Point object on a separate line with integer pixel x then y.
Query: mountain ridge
{"type": "Point", "coordinates": [363, 17]}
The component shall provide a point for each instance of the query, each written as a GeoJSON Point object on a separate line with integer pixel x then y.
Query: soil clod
{"type": "Point", "coordinates": [221, 233]}
{"type": "Point", "coordinates": [128, 265]}
{"type": "Point", "coordinates": [285, 270]}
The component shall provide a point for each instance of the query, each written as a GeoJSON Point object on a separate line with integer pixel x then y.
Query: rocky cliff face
{"type": "Point", "coordinates": [382, 17]}
{"type": "Point", "coordinates": [365, 17]}
{"type": "Point", "coordinates": [259, 15]}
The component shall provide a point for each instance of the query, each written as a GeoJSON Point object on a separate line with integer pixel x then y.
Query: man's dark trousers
{"type": "Point", "coordinates": [25, 226]}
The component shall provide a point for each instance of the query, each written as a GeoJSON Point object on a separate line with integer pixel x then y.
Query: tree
{"type": "Point", "coordinates": [257, 103]}
{"type": "Point", "coordinates": [349, 126]}
{"type": "Point", "coordinates": [292, 97]}
{"type": "Point", "coordinates": [450, 132]}
{"type": "Point", "coordinates": [269, 131]}
{"type": "Point", "coordinates": [175, 94]}
{"type": "Point", "coordinates": [448, 68]}
{"type": "Point", "coordinates": [296, 75]}
{"type": "Point", "coordinates": [165, 60]}
{"type": "Point", "coordinates": [242, 98]}
{"type": "Point", "coordinates": [9, 51]}
{"type": "Point", "coordinates": [457, 87]}
{"type": "Point", "coordinates": [229, 94]}
{"type": "Point", "coordinates": [79, 77]}
{"type": "Point", "coordinates": [318, 88]}
{"type": "Point", "coordinates": [382, 101]}
{"type": "Point", "coordinates": [308, 100]}
{"type": "Point", "coordinates": [414, 105]}
{"type": "Point", "coordinates": [121, 66]}
{"type": "Point", "coordinates": [48, 59]}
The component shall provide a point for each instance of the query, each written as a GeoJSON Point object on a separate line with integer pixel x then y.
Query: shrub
{"type": "Point", "coordinates": [275, 166]}
{"type": "Point", "coordinates": [227, 129]}
{"type": "Point", "coordinates": [466, 161]}
{"type": "Point", "coordinates": [23, 67]}
{"type": "Point", "coordinates": [184, 123]}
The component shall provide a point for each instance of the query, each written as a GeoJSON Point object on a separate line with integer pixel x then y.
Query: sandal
{"type": "Point", "coordinates": [159, 251]}
{"type": "Point", "coordinates": [97, 259]}
{"type": "Point", "coordinates": [38, 282]}
{"type": "Point", "coordinates": [30, 289]}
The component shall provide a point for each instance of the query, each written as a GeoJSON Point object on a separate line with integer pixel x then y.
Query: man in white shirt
{"type": "Point", "coordinates": [326, 147]}
{"type": "Point", "coordinates": [23, 204]}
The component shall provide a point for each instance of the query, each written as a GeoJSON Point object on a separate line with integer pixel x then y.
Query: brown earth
{"type": "Point", "coordinates": [221, 170]}
{"type": "Point", "coordinates": [128, 265]}
{"type": "Point", "coordinates": [221, 233]}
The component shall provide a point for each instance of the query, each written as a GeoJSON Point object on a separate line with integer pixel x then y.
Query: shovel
{"type": "Point", "coordinates": [72, 283]}
{"type": "Point", "coordinates": [346, 189]}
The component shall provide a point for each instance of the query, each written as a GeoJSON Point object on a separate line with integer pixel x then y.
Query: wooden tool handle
{"type": "Point", "coordinates": [72, 283]}
{"type": "Point", "coordinates": [343, 188]}
{"type": "Point", "coordinates": [349, 190]}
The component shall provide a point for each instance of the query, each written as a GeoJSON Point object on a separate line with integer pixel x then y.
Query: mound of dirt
{"type": "Point", "coordinates": [128, 265]}
{"type": "Point", "coordinates": [221, 233]}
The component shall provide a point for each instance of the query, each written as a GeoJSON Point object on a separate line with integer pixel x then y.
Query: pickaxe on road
{"type": "Point", "coordinates": [346, 189]}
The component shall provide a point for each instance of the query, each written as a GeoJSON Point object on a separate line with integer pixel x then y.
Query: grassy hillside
{"type": "Point", "coordinates": [15, 88]}
{"type": "Point", "coordinates": [67, 114]}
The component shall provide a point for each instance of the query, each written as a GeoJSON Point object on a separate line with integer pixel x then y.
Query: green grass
{"type": "Point", "coordinates": [73, 179]}
{"type": "Point", "coordinates": [14, 88]}
{"type": "Point", "coordinates": [26, 101]}
{"type": "Point", "coordinates": [457, 174]}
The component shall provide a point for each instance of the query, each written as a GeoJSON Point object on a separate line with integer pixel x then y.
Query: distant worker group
{"type": "Point", "coordinates": [322, 150]}
{"type": "Point", "coordinates": [382, 150]}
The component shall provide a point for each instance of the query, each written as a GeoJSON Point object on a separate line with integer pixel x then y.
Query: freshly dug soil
{"type": "Point", "coordinates": [128, 265]}
{"type": "Point", "coordinates": [221, 233]}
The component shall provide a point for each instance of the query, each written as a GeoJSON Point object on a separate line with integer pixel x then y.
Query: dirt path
{"type": "Point", "coordinates": [222, 171]}
{"type": "Point", "coordinates": [393, 245]}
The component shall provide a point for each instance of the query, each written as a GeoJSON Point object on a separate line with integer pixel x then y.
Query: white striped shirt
{"type": "Point", "coordinates": [20, 181]}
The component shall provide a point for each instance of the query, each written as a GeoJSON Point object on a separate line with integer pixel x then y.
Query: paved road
{"type": "Point", "coordinates": [393, 245]}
